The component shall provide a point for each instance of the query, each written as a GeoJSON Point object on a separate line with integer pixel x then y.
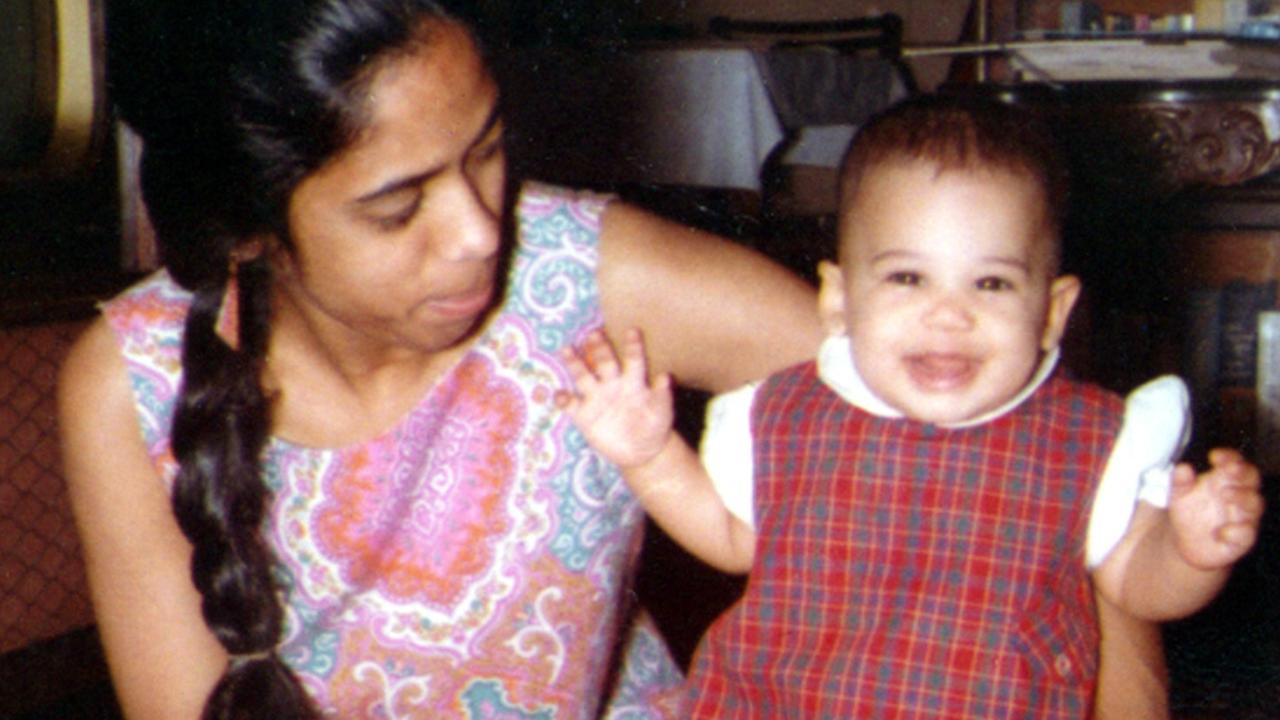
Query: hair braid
{"type": "Point", "coordinates": [219, 497]}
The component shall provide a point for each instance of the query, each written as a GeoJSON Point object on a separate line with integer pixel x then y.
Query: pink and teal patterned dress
{"type": "Point", "coordinates": [474, 561]}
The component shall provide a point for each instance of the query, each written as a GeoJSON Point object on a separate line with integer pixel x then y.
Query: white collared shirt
{"type": "Point", "coordinates": [1156, 426]}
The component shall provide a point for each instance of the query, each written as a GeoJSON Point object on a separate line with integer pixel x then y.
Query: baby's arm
{"type": "Point", "coordinates": [629, 420]}
{"type": "Point", "coordinates": [1172, 562]}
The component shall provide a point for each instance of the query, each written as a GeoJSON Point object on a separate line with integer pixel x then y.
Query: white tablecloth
{"type": "Point", "coordinates": [705, 118]}
{"type": "Point", "coordinates": [676, 115]}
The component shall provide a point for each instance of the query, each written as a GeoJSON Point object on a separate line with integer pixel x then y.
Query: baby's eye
{"type": "Point", "coordinates": [905, 277]}
{"type": "Point", "coordinates": [994, 283]}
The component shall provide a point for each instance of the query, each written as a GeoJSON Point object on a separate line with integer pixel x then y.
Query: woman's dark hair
{"type": "Point", "coordinates": [237, 101]}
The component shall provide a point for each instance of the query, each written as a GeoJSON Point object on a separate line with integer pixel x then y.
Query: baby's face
{"type": "Point", "coordinates": [946, 290]}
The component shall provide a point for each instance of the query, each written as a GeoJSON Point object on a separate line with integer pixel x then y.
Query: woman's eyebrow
{"type": "Point", "coordinates": [397, 184]}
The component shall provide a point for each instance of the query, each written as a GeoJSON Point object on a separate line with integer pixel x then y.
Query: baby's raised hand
{"type": "Point", "coordinates": [625, 416]}
{"type": "Point", "coordinates": [1215, 515]}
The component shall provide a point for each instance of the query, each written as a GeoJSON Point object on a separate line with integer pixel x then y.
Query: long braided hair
{"type": "Point", "coordinates": [237, 102]}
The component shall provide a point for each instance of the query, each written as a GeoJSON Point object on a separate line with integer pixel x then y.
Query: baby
{"type": "Point", "coordinates": [925, 508]}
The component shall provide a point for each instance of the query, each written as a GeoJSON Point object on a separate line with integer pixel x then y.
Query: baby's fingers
{"type": "Point", "coordinates": [1183, 481]}
{"type": "Point", "coordinates": [1237, 536]}
{"type": "Point", "coordinates": [635, 367]}
{"type": "Point", "coordinates": [1233, 468]}
{"type": "Point", "coordinates": [579, 372]}
{"type": "Point", "coordinates": [599, 356]}
{"type": "Point", "coordinates": [593, 361]}
{"type": "Point", "coordinates": [1244, 504]}
{"type": "Point", "coordinates": [568, 401]}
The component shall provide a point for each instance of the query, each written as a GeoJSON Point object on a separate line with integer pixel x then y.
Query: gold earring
{"type": "Point", "coordinates": [227, 325]}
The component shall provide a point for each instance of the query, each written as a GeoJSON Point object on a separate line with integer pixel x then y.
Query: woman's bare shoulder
{"type": "Point", "coordinates": [93, 387]}
{"type": "Point", "coordinates": [104, 458]}
{"type": "Point", "coordinates": [99, 433]}
{"type": "Point", "coordinates": [93, 360]}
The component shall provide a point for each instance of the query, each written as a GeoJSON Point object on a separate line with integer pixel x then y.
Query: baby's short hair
{"type": "Point", "coordinates": [961, 132]}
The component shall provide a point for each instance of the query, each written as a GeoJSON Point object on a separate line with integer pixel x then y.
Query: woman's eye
{"type": "Point", "coordinates": [994, 283]}
{"type": "Point", "coordinates": [490, 145]}
{"type": "Point", "coordinates": [398, 219]}
{"type": "Point", "coordinates": [483, 154]}
{"type": "Point", "coordinates": [491, 148]}
{"type": "Point", "coordinates": [905, 278]}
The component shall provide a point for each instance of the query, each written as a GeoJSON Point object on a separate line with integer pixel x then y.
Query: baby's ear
{"type": "Point", "coordinates": [831, 298]}
{"type": "Point", "coordinates": [1063, 293]}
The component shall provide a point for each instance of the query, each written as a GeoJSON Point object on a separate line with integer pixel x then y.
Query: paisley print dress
{"type": "Point", "coordinates": [473, 561]}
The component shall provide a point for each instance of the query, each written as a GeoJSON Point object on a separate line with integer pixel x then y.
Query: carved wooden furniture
{"type": "Point", "coordinates": [1202, 133]}
{"type": "Point", "coordinates": [1220, 133]}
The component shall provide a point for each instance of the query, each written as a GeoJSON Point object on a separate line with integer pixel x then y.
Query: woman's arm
{"type": "Point", "coordinates": [714, 314]}
{"type": "Point", "coordinates": [163, 659]}
{"type": "Point", "coordinates": [1133, 683]}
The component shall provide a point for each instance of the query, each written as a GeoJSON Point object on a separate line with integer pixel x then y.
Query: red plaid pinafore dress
{"type": "Point", "coordinates": [906, 570]}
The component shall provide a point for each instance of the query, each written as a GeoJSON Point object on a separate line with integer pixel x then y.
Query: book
{"type": "Point", "coordinates": [1267, 435]}
{"type": "Point", "coordinates": [1145, 57]}
{"type": "Point", "coordinates": [1222, 351]}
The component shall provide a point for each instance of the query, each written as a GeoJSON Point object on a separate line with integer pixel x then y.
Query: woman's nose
{"type": "Point", "coordinates": [476, 220]}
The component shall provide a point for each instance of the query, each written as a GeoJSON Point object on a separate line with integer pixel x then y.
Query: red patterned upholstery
{"type": "Point", "coordinates": [42, 585]}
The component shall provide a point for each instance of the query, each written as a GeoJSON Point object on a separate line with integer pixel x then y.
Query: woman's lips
{"type": "Point", "coordinates": [462, 305]}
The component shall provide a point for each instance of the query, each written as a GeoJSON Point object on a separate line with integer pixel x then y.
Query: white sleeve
{"type": "Point", "coordinates": [1157, 423]}
{"type": "Point", "coordinates": [726, 450]}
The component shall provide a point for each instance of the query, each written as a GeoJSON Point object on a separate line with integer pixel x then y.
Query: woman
{"type": "Point", "coordinates": [315, 461]}
{"type": "Point", "coordinates": [348, 394]}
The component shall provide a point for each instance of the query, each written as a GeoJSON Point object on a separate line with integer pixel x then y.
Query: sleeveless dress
{"type": "Point", "coordinates": [908, 570]}
{"type": "Point", "coordinates": [473, 561]}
